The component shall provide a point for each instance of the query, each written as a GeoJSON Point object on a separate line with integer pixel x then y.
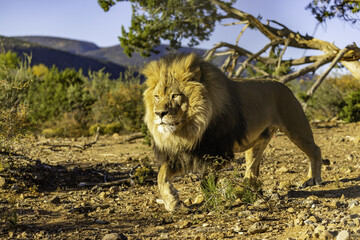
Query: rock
{"type": "Point", "coordinates": [326, 162]}
{"type": "Point", "coordinates": [100, 221]}
{"type": "Point", "coordinates": [188, 202]}
{"type": "Point", "coordinates": [344, 221]}
{"type": "Point", "coordinates": [318, 230]}
{"type": "Point", "coordinates": [291, 210]}
{"type": "Point", "coordinates": [314, 219]}
{"type": "Point", "coordinates": [15, 188]}
{"type": "Point", "coordinates": [2, 182]}
{"type": "Point", "coordinates": [114, 236]}
{"type": "Point", "coordinates": [326, 235]}
{"type": "Point", "coordinates": [335, 204]}
{"type": "Point", "coordinates": [353, 204]}
{"type": "Point", "coordinates": [55, 200]}
{"type": "Point", "coordinates": [164, 236]}
{"type": "Point", "coordinates": [282, 170]}
{"type": "Point", "coordinates": [357, 222]}
{"type": "Point", "coordinates": [343, 235]}
{"type": "Point", "coordinates": [245, 213]}
{"type": "Point", "coordinates": [198, 199]}
{"type": "Point", "coordinates": [255, 218]}
{"type": "Point", "coordinates": [184, 224]}
{"type": "Point", "coordinates": [102, 195]}
{"type": "Point", "coordinates": [285, 185]}
{"type": "Point", "coordinates": [114, 189]}
{"type": "Point", "coordinates": [275, 197]}
{"type": "Point", "coordinates": [258, 227]}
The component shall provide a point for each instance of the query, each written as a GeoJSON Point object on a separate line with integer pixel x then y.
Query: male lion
{"type": "Point", "coordinates": [196, 115]}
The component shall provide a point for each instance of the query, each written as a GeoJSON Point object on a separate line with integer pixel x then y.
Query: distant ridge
{"type": "Point", "coordinates": [112, 54]}
{"type": "Point", "coordinates": [60, 58]}
{"type": "Point", "coordinates": [70, 53]}
{"type": "Point", "coordinates": [68, 45]}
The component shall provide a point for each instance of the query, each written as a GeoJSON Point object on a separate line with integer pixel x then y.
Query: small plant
{"type": "Point", "coordinates": [337, 181]}
{"type": "Point", "coordinates": [248, 191]}
{"type": "Point", "coordinates": [9, 217]}
{"type": "Point", "coordinates": [212, 195]}
{"type": "Point", "coordinates": [143, 173]}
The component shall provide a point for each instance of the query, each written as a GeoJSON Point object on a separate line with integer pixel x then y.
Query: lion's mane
{"type": "Point", "coordinates": [213, 120]}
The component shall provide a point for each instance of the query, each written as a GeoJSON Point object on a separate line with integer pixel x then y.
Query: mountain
{"type": "Point", "coordinates": [68, 45]}
{"type": "Point", "coordinates": [69, 53]}
{"type": "Point", "coordinates": [112, 54]}
{"type": "Point", "coordinates": [60, 58]}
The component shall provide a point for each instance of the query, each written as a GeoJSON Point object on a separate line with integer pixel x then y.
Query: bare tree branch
{"type": "Point", "coordinates": [247, 61]}
{"type": "Point", "coordinates": [311, 91]}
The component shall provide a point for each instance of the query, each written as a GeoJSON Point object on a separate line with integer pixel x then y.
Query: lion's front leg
{"type": "Point", "coordinates": [167, 191]}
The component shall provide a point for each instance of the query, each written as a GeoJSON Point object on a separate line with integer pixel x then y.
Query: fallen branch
{"type": "Point", "coordinates": [135, 136]}
{"type": "Point", "coordinates": [82, 147]}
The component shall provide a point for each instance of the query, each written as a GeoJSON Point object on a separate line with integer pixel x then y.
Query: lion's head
{"type": "Point", "coordinates": [178, 109]}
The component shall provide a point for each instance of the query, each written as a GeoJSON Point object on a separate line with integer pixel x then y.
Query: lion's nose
{"type": "Point", "coordinates": [161, 114]}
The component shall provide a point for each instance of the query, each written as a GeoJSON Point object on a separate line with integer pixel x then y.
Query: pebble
{"type": "Point", "coordinates": [291, 210]}
{"type": "Point", "coordinates": [188, 202]}
{"type": "Point", "coordinates": [15, 188]}
{"type": "Point", "coordinates": [102, 195]}
{"type": "Point", "coordinates": [258, 227]}
{"type": "Point", "coordinates": [326, 235]}
{"type": "Point", "coordinates": [282, 170]}
{"type": "Point", "coordinates": [245, 213]}
{"type": "Point", "coordinates": [114, 189]}
{"type": "Point", "coordinates": [114, 236]}
{"type": "Point", "coordinates": [164, 236]}
{"type": "Point", "coordinates": [55, 200]}
{"type": "Point", "coordinates": [184, 224]}
{"type": "Point", "coordinates": [100, 221]}
{"type": "Point", "coordinates": [343, 235]}
{"type": "Point", "coordinates": [198, 199]}
{"type": "Point", "coordinates": [2, 182]}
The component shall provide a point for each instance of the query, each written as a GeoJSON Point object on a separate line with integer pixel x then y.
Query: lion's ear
{"type": "Point", "coordinates": [197, 74]}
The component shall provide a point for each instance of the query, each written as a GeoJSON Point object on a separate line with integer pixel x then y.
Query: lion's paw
{"type": "Point", "coordinates": [170, 205]}
{"type": "Point", "coordinates": [311, 182]}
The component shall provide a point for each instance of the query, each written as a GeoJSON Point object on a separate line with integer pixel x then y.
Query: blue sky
{"type": "Point", "coordinates": [85, 20]}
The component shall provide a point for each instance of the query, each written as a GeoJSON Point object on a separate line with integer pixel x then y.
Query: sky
{"type": "Point", "coordinates": [85, 20]}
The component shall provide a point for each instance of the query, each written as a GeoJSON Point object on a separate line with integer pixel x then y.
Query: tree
{"type": "Point", "coordinates": [175, 20]}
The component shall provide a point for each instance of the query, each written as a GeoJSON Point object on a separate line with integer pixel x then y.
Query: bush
{"type": "Point", "coordinates": [350, 112]}
{"type": "Point", "coordinates": [58, 92]}
{"type": "Point", "coordinates": [14, 82]}
{"type": "Point", "coordinates": [121, 104]}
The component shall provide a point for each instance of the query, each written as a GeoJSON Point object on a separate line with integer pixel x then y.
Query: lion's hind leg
{"type": "Point", "coordinates": [304, 140]}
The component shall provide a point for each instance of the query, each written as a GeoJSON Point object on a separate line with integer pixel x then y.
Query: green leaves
{"type": "Point", "coordinates": [171, 20]}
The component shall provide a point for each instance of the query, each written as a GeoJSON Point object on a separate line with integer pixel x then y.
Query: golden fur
{"type": "Point", "coordinates": [194, 111]}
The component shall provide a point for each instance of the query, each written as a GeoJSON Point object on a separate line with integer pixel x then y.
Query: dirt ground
{"type": "Point", "coordinates": [57, 190]}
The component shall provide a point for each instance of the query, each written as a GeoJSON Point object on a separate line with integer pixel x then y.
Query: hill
{"type": "Point", "coordinates": [112, 54]}
{"type": "Point", "coordinates": [68, 45]}
{"type": "Point", "coordinates": [61, 59]}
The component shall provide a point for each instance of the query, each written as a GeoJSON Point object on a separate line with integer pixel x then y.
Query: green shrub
{"type": "Point", "coordinates": [122, 104]}
{"type": "Point", "coordinates": [58, 92]}
{"type": "Point", "coordinates": [52, 132]}
{"type": "Point", "coordinates": [112, 128]}
{"type": "Point", "coordinates": [14, 82]}
{"type": "Point", "coordinates": [350, 112]}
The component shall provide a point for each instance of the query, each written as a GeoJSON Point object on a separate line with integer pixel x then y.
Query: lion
{"type": "Point", "coordinates": [196, 115]}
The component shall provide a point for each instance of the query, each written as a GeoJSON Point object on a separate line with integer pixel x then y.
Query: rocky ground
{"type": "Point", "coordinates": [64, 189]}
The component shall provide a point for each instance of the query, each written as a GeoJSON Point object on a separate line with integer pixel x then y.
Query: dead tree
{"type": "Point", "coordinates": [279, 35]}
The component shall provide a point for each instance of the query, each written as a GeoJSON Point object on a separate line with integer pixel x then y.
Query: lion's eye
{"type": "Point", "coordinates": [156, 97]}
{"type": "Point", "coordinates": [174, 96]}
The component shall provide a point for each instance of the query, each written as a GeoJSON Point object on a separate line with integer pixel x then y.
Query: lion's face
{"type": "Point", "coordinates": [170, 108]}
{"type": "Point", "coordinates": [177, 105]}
